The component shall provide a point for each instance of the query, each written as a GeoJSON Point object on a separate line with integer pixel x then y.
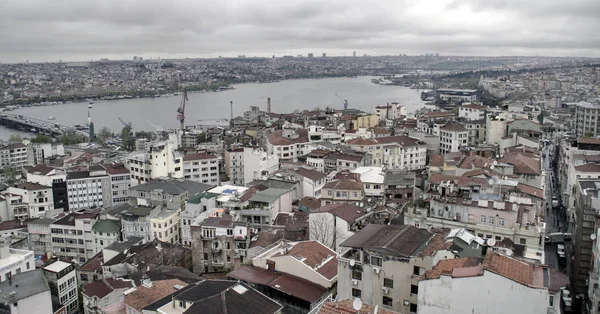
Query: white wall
{"type": "Point", "coordinates": [40, 303]}
{"type": "Point", "coordinates": [490, 294]}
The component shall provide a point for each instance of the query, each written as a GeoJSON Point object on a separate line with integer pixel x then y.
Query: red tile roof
{"type": "Point", "coordinates": [310, 174]}
{"type": "Point", "coordinates": [94, 264]}
{"type": "Point", "coordinates": [343, 184]}
{"type": "Point", "coordinates": [437, 178]}
{"type": "Point", "coordinates": [102, 288]}
{"type": "Point", "coordinates": [475, 161]}
{"type": "Point", "coordinates": [40, 169]}
{"type": "Point", "coordinates": [348, 212]}
{"type": "Point", "coordinates": [475, 106]}
{"type": "Point", "coordinates": [526, 189]}
{"type": "Point", "coordinates": [198, 156]}
{"type": "Point", "coordinates": [276, 138]}
{"type": "Point", "coordinates": [144, 296]}
{"type": "Point", "coordinates": [288, 284]}
{"type": "Point", "coordinates": [445, 267]}
{"type": "Point", "coordinates": [588, 168]}
{"type": "Point", "coordinates": [115, 168]}
{"type": "Point", "coordinates": [523, 163]}
{"type": "Point", "coordinates": [310, 202]}
{"type": "Point", "coordinates": [346, 307]}
{"type": "Point", "coordinates": [362, 141]}
{"type": "Point", "coordinates": [453, 127]}
{"type": "Point", "coordinates": [316, 256]}
{"type": "Point", "coordinates": [437, 161]}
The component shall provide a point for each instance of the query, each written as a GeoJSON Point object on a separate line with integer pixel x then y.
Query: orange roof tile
{"type": "Point", "coordinates": [345, 307]}
{"type": "Point", "coordinates": [144, 296]}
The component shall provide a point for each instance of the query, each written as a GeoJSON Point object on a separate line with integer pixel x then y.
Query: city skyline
{"type": "Point", "coordinates": [45, 31]}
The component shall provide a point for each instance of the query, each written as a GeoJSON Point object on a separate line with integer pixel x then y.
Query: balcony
{"type": "Point", "coordinates": [239, 237]}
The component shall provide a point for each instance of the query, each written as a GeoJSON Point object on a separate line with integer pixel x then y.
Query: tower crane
{"type": "Point", "coordinates": [125, 124]}
{"type": "Point", "coordinates": [181, 110]}
{"type": "Point", "coordinates": [158, 128]}
{"type": "Point", "coordinates": [345, 101]}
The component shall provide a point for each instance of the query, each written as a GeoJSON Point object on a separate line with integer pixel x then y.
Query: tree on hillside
{"type": "Point", "coordinates": [42, 139]}
{"type": "Point", "coordinates": [10, 175]}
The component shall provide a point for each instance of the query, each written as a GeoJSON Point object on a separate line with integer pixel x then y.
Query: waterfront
{"type": "Point", "coordinates": [286, 96]}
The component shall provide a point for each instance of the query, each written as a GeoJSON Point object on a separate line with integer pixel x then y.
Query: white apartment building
{"type": "Point", "coordinates": [201, 168]}
{"type": "Point", "coordinates": [196, 207]}
{"type": "Point", "coordinates": [55, 178]}
{"type": "Point", "coordinates": [452, 137]}
{"type": "Point", "coordinates": [288, 144]}
{"type": "Point", "coordinates": [64, 277]}
{"type": "Point", "coordinates": [31, 293]}
{"type": "Point", "coordinates": [15, 155]}
{"type": "Point", "coordinates": [40, 237]}
{"type": "Point", "coordinates": [246, 164]}
{"type": "Point", "coordinates": [317, 133]}
{"type": "Point", "coordinates": [395, 152]}
{"type": "Point", "coordinates": [88, 189]}
{"type": "Point", "coordinates": [13, 261]}
{"type": "Point", "coordinates": [41, 152]}
{"type": "Point", "coordinates": [472, 112]}
{"type": "Point", "coordinates": [160, 160]}
{"type": "Point", "coordinates": [372, 179]}
{"type": "Point", "coordinates": [391, 111]}
{"type": "Point", "coordinates": [72, 237]}
{"type": "Point", "coordinates": [165, 226]}
{"type": "Point", "coordinates": [120, 182]}
{"type": "Point", "coordinates": [106, 232]}
{"type": "Point", "coordinates": [587, 118]}
{"type": "Point", "coordinates": [27, 200]}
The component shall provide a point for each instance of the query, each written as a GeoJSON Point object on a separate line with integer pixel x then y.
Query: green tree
{"type": "Point", "coordinates": [42, 139]}
{"type": "Point", "coordinates": [201, 138]}
{"type": "Point", "coordinates": [127, 138]}
{"type": "Point", "coordinates": [71, 138]}
{"type": "Point", "coordinates": [10, 175]}
{"type": "Point", "coordinates": [104, 134]}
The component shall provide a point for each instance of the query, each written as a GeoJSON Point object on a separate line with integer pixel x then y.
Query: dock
{"type": "Point", "coordinates": [33, 125]}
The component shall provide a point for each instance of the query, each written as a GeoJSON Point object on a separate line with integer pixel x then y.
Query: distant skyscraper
{"type": "Point", "coordinates": [324, 55]}
{"type": "Point", "coordinates": [310, 55]}
{"type": "Point", "coordinates": [354, 53]}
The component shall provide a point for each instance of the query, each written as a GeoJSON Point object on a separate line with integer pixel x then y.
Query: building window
{"type": "Point", "coordinates": [551, 301]}
{"type": "Point", "coordinates": [182, 304]}
{"type": "Point", "coordinates": [356, 275]}
{"type": "Point", "coordinates": [376, 261]}
{"type": "Point", "coordinates": [500, 221]}
{"type": "Point", "coordinates": [229, 231]}
{"type": "Point", "coordinates": [387, 301]}
{"type": "Point", "coordinates": [417, 270]}
{"type": "Point", "coordinates": [491, 220]}
{"type": "Point", "coordinates": [413, 308]}
{"type": "Point", "coordinates": [523, 241]}
{"type": "Point", "coordinates": [388, 283]}
{"type": "Point", "coordinates": [483, 218]}
{"type": "Point", "coordinates": [414, 289]}
{"type": "Point", "coordinates": [356, 293]}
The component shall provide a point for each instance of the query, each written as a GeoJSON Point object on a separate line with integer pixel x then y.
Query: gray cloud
{"type": "Point", "coordinates": [47, 30]}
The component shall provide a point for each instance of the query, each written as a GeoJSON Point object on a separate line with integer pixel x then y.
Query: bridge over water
{"type": "Point", "coordinates": [28, 124]}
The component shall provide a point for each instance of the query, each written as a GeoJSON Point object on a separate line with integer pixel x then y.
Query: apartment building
{"type": "Point", "coordinates": [383, 264]}
{"type": "Point", "coordinates": [317, 133]}
{"type": "Point", "coordinates": [72, 237]}
{"type": "Point", "coordinates": [452, 137]}
{"type": "Point", "coordinates": [471, 112]}
{"type": "Point", "coordinates": [456, 95]}
{"type": "Point", "coordinates": [246, 164]}
{"type": "Point", "coordinates": [15, 155]}
{"type": "Point", "coordinates": [218, 243]}
{"type": "Point", "coordinates": [587, 118]}
{"type": "Point", "coordinates": [27, 200]}
{"type": "Point", "coordinates": [582, 221]}
{"type": "Point", "coordinates": [14, 261]}
{"type": "Point", "coordinates": [201, 168]}
{"type": "Point", "coordinates": [372, 179]}
{"type": "Point", "coordinates": [288, 144]}
{"type": "Point", "coordinates": [395, 152]}
{"type": "Point", "coordinates": [43, 152]}
{"type": "Point", "coordinates": [135, 219]}
{"type": "Point", "coordinates": [120, 181]}
{"type": "Point", "coordinates": [342, 191]}
{"type": "Point", "coordinates": [57, 179]}
{"type": "Point", "coordinates": [88, 189]}
{"type": "Point", "coordinates": [62, 279]}
{"type": "Point", "coordinates": [160, 160]}
{"type": "Point", "coordinates": [106, 232]}
{"type": "Point", "coordinates": [27, 293]}
{"type": "Point", "coordinates": [171, 193]}
{"type": "Point", "coordinates": [391, 111]}
{"type": "Point", "coordinates": [197, 205]}
{"type": "Point", "coordinates": [40, 237]}
{"type": "Point", "coordinates": [164, 226]}
{"type": "Point", "coordinates": [459, 285]}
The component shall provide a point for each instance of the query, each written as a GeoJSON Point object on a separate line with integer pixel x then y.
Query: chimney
{"type": "Point", "coordinates": [269, 105]}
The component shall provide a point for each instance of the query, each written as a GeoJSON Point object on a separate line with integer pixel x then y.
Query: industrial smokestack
{"type": "Point", "coordinates": [269, 105]}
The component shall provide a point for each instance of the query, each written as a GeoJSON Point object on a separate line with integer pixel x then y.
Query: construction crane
{"type": "Point", "coordinates": [125, 124]}
{"type": "Point", "coordinates": [345, 101]}
{"type": "Point", "coordinates": [181, 110]}
{"type": "Point", "coordinates": [156, 127]}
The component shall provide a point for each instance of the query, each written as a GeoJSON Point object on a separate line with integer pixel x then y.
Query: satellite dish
{"type": "Point", "coordinates": [491, 181]}
{"type": "Point", "coordinates": [266, 266]}
{"type": "Point", "coordinates": [357, 304]}
{"type": "Point", "coordinates": [352, 262]}
{"type": "Point", "coordinates": [492, 167]}
{"type": "Point", "coordinates": [593, 237]}
{"type": "Point", "coordinates": [491, 242]}
{"type": "Point", "coordinates": [495, 162]}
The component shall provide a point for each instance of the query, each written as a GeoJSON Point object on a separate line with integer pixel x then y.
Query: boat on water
{"type": "Point", "coordinates": [90, 106]}
{"type": "Point", "coordinates": [384, 81]}
{"type": "Point", "coordinates": [52, 118]}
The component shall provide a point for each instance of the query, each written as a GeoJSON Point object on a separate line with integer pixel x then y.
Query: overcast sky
{"type": "Point", "coordinates": [51, 30]}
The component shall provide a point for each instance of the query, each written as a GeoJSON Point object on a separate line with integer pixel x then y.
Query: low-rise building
{"type": "Point", "coordinates": [159, 160]}
{"type": "Point", "coordinates": [27, 293]}
{"type": "Point", "coordinates": [342, 191]}
{"type": "Point", "coordinates": [333, 224]}
{"type": "Point", "coordinates": [120, 182]}
{"type": "Point", "coordinates": [149, 292]}
{"type": "Point", "coordinates": [383, 265]}
{"type": "Point", "coordinates": [201, 168]}
{"type": "Point", "coordinates": [72, 237]}
{"type": "Point", "coordinates": [13, 261]}
{"type": "Point", "coordinates": [472, 111]}
{"type": "Point", "coordinates": [246, 164]}
{"type": "Point", "coordinates": [218, 243]}
{"type": "Point", "coordinates": [457, 286]}
{"type": "Point", "coordinates": [62, 278]}
{"type": "Point", "coordinates": [28, 200]}
{"type": "Point", "coordinates": [88, 189]}
{"type": "Point", "coordinates": [452, 137]}
{"type": "Point", "coordinates": [105, 295]}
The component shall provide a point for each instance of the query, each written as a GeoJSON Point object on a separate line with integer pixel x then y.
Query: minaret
{"type": "Point", "coordinates": [91, 127]}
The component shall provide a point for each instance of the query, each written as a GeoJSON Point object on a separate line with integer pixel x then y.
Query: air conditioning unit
{"type": "Point", "coordinates": [354, 282]}
{"type": "Point", "coordinates": [376, 270]}
{"type": "Point", "coordinates": [385, 290]}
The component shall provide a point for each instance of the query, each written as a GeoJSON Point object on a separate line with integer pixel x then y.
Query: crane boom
{"type": "Point", "coordinates": [125, 124]}
{"type": "Point", "coordinates": [345, 101]}
{"type": "Point", "coordinates": [181, 110]}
